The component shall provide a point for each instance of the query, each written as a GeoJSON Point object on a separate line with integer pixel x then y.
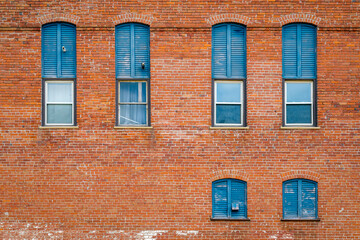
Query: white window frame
{"type": "Point", "coordinates": [56, 103]}
{"type": "Point", "coordinates": [134, 103]}
{"type": "Point", "coordinates": [241, 103]}
{"type": "Point", "coordinates": [300, 103]}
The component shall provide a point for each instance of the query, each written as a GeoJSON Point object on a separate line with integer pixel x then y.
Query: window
{"type": "Point", "coordinates": [229, 74]}
{"type": "Point", "coordinates": [299, 199]}
{"type": "Point", "coordinates": [229, 199]}
{"type": "Point", "coordinates": [132, 74]}
{"type": "Point", "coordinates": [58, 74]}
{"type": "Point", "coordinates": [299, 74]}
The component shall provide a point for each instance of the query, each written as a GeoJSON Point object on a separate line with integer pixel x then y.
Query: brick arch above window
{"type": "Point", "coordinates": [58, 17]}
{"type": "Point", "coordinates": [299, 17]}
{"type": "Point", "coordinates": [228, 17]}
{"type": "Point", "coordinates": [230, 173]}
{"type": "Point", "coordinates": [133, 17]}
{"type": "Point", "coordinates": [305, 174]}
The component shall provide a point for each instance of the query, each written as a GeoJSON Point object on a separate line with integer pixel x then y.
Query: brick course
{"type": "Point", "coordinates": [98, 182]}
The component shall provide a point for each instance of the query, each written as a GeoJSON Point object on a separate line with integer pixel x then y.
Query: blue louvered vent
{"type": "Point", "coordinates": [229, 199]}
{"type": "Point", "coordinates": [132, 50]}
{"type": "Point", "coordinates": [229, 51]}
{"type": "Point", "coordinates": [300, 199]}
{"type": "Point", "coordinates": [58, 50]}
{"type": "Point", "coordinates": [299, 51]}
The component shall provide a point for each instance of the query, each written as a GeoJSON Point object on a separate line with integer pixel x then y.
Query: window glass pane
{"type": "Point", "coordinates": [59, 92]}
{"type": "Point", "coordinates": [132, 92]}
{"type": "Point", "coordinates": [132, 114]}
{"type": "Point", "coordinates": [298, 92]}
{"type": "Point", "coordinates": [298, 113]}
{"type": "Point", "coordinates": [228, 92]}
{"type": "Point", "coordinates": [228, 114]}
{"type": "Point", "coordinates": [59, 113]}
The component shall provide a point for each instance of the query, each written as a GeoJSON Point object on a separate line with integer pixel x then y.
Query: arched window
{"type": "Point", "coordinates": [299, 74]}
{"type": "Point", "coordinates": [58, 51]}
{"type": "Point", "coordinates": [132, 60]}
{"type": "Point", "coordinates": [300, 199]}
{"type": "Point", "coordinates": [229, 74]}
{"type": "Point", "coordinates": [229, 199]}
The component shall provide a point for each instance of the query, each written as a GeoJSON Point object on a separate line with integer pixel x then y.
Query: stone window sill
{"type": "Point", "coordinates": [130, 127]}
{"type": "Point", "coordinates": [229, 128]}
{"type": "Point", "coordinates": [58, 127]}
{"type": "Point", "coordinates": [301, 220]}
{"type": "Point", "coordinates": [300, 128]}
{"type": "Point", "coordinates": [230, 219]}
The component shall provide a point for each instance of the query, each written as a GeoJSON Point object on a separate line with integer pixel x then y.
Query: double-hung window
{"type": "Point", "coordinates": [229, 75]}
{"type": "Point", "coordinates": [229, 199]}
{"type": "Point", "coordinates": [58, 74]}
{"type": "Point", "coordinates": [300, 199]}
{"type": "Point", "coordinates": [132, 43]}
{"type": "Point", "coordinates": [299, 74]}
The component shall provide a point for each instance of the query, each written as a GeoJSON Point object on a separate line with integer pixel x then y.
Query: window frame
{"type": "Point", "coordinates": [58, 78]}
{"type": "Point", "coordinates": [312, 92]}
{"type": "Point", "coordinates": [56, 103]}
{"type": "Point", "coordinates": [118, 81]}
{"type": "Point", "coordinates": [230, 78]}
{"type": "Point", "coordinates": [286, 79]}
{"type": "Point", "coordinates": [299, 202]}
{"type": "Point", "coordinates": [229, 180]}
{"type": "Point", "coordinates": [241, 103]}
{"type": "Point", "coordinates": [132, 78]}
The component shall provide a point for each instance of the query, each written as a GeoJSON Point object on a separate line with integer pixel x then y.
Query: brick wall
{"type": "Point", "coordinates": [99, 182]}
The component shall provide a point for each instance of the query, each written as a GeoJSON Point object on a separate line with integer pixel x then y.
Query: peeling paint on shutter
{"type": "Point", "coordinates": [308, 199]}
{"type": "Point", "coordinates": [123, 51]}
{"type": "Point", "coordinates": [290, 199]}
{"type": "Point", "coordinates": [220, 199]}
{"type": "Point", "coordinates": [142, 51]}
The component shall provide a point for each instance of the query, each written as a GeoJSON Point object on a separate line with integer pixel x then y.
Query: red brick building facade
{"type": "Point", "coordinates": [97, 181]}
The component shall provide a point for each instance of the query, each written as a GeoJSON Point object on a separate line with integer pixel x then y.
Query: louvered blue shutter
{"type": "Point", "coordinates": [220, 199]}
{"type": "Point", "coordinates": [299, 51]}
{"type": "Point", "coordinates": [308, 51]}
{"type": "Point", "coordinates": [219, 51]}
{"type": "Point", "coordinates": [308, 199]}
{"type": "Point", "coordinates": [290, 54]}
{"type": "Point", "coordinates": [238, 197]}
{"type": "Point", "coordinates": [68, 55]}
{"type": "Point", "coordinates": [142, 51]}
{"type": "Point", "coordinates": [123, 51]}
{"type": "Point", "coordinates": [238, 52]}
{"type": "Point", "coordinates": [290, 199]}
{"type": "Point", "coordinates": [49, 50]}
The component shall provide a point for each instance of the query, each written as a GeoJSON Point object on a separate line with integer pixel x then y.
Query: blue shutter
{"type": "Point", "coordinates": [123, 51]}
{"type": "Point", "coordinates": [299, 51]}
{"type": "Point", "coordinates": [308, 51]}
{"type": "Point", "coordinates": [219, 51]}
{"type": "Point", "coordinates": [238, 196]}
{"type": "Point", "coordinates": [290, 54]}
{"type": "Point", "coordinates": [308, 199]}
{"type": "Point", "coordinates": [49, 50]}
{"type": "Point", "coordinates": [238, 52]}
{"type": "Point", "coordinates": [68, 57]}
{"type": "Point", "coordinates": [142, 51]}
{"type": "Point", "coordinates": [290, 199]}
{"type": "Point", "coordinates": [220, 199]}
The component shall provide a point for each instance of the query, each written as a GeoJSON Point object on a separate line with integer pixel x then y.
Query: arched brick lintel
{"type": "Point", "coordinates": [221, 174]}
{"type": "Point", "coordinates": [228, 17]}
{"type": "Point", "coordinates": [299, 17]}
{"type": "Point", "coordinates": [58, 17]}
{"type": "Point", "coordinates": [133, 17]}
{"type": "Point", "coordinates": [301, 174]}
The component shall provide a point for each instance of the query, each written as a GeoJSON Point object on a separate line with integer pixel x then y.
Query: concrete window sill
{"type": "Point", "coordinates": [230, 219]}
{"type": "Point", "coordinates": [229, 128]}
{"type": "Point", "coordinates": [301, 220]}
{"type": "Point", "coordinates": [130, 127]}
{"type": "Point", "coordinates": [300, 128]}
{"type": "Point", "coordinates": [58, 127]}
